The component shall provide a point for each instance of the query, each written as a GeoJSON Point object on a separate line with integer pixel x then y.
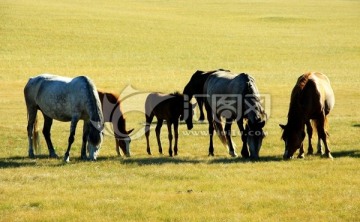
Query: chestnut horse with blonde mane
{"type": "Point", "coordinates": [112, 113]}
{"type": "Point", "coordinates": [312, 99]}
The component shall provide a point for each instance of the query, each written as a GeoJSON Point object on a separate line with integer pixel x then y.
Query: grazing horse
{"type": "Point", "coordinates": [112, 113]}
{"type": "Point", "coordinates": [65, 99]}
{"type": "Point", "coordinates": [235, 98]}
{"type": "Point", "coordinates": [169, 107]}
{"type": "Point", "coordinates": [312, 98]}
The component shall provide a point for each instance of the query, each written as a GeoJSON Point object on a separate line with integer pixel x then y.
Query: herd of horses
{"type": "Point", "coordinates": [227, 98]}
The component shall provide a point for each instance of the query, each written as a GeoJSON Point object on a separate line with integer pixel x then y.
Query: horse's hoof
{"type": "Point", "coordinates": [328, 155]}
{"type": "Point", "coordinates": [301, 156]}
{"type": "Point", "coordinates": [84, 157]}
{"type": "Point", "coordinates": [53, 155]}
{"type": "Point", "coordinates": [233, 154]}
{"type": "Point", "coordinates": [67, 159]}
{"type": "Point", "coordinates": [128, 154]}
{"type": "Point", "coordinates": [31, 156]}
{"type": "Point", "coordinates": [211, 154]}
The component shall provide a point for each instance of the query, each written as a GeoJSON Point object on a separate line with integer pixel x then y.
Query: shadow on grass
{"type": "Point", "coordinates": [15, 162]}
{"type": "Point", "coordinates": [356, 125]}
{"type": "Point", "coordinates": [227, 160]}
{"type": "Point", "coordinates": [346, 153]}
{"type": "Point", "coordinates": [158, 161]}
{"type": "Point", "coordinates": [22, 161]}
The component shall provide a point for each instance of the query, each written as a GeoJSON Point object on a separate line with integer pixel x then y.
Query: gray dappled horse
{"type": "Point", "coordinates": [234, 98]}
{"type": "Point", "coordinates": [312, 98]}
{"type": "Point", "coordinates": [65, 99]}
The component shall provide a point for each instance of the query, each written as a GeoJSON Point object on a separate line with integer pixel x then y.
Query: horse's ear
{"type": "Point", "coordinates": [282, 126]}
{"type": "Point", "coordinates": [130, 131]}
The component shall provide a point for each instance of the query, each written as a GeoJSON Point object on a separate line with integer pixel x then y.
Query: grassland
{"type": "Point", "coordinates": [156, 46]}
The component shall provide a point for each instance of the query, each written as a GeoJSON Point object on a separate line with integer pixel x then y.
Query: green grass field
{"type": "Point", "coordinates": [157, 46]}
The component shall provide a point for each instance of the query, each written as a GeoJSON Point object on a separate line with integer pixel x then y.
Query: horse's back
{"type": "Point", "coordinates": [58, 97]}
{"type": "Point", "coordinates": [162, 105]}
{"type": "Point", "coordinates": [325, 90]}
{"type": "Point", "coordinates": [224, 82]}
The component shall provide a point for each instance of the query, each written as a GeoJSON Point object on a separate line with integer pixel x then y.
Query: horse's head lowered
{"type": "Point", "coordinates": [187, 109]}
{"type": "Point", "coordinates": [124, 141]}
{"type": "Point", "coordinates": [255, 136]}
{"type": "Point", "coordinates": [293, 138]}
{"type": "Point", "coordinates": [95, 138]}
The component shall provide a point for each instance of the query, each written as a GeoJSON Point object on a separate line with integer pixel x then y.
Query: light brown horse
{"type": "Point", "coordinates": [110, 103]}
{"type": "Point", "coordinates": [312, 98]}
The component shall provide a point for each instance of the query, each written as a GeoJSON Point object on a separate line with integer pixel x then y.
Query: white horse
{"type": "Point", "coordinates": [65, 99]}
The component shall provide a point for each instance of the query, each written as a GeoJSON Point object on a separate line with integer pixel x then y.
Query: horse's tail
{"type": "Point", "coordinates": [314, 125]}
{"type": "Point", "coordinates": [36, 138]}
{"type": "Point", "coordinates": [220, 132]}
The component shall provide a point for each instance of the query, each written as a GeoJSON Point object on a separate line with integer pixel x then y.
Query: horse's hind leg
{"type": "Point", "coordinates": [158, 131]}
{"type": "Point", "coordinates": [228, 137]}
{"type": "Point", "coordinates": [170, 136]}
{"type": "Point", "coordinates": [30, 129]}
{"type": "Point", "coordinates": [323, 135]}
{"type": "Point", "coordinates": [148, 120]}
{"type": "Point", "coordinates": [84, 141]}
{"type": "Point", "coordinates": [46, 132]}
{"type": "Point", "coordinates": [176, 132]}
{"type": "Point", "coordinates": [309, 131]}
{"type": "Point", "coordinates": [200, 104]}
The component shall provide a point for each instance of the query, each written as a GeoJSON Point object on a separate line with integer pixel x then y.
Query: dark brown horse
{"type": "Point", "coordinates": [195, 88]}
{"type": "Point", "coordinates": [312, 98]}
{"type": "Point", "coordinates": [168, 107]}
{"type": "Point", "coordinates": [112, 113]}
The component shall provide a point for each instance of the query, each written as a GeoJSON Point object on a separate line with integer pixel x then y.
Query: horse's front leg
{"type": "Point", "coordinates": [117, 146]}
{"type": "Point", "coordinates": [244, 151]}
{"type": "Point", "coordinates": [84, 140]}
{"type": "Point", "coordinates": [228, 137]}
{"type": "Point", "coordinates": [158, 131]}
{"type": "Point", "coordinates": [323, 136]}
{"type": "Point", "coordinates": [71, 139]}
{"type": "Point", "coordinates": [309, 131]}
{"type": "Point", "coordinates": [170, 136]}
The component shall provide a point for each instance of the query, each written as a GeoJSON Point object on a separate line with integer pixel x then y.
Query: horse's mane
{"type": "Point", "coordinates": [294, 100]}
{"type": "Point", "coordinates": [252, 90]}
{"type": "Point", "coordinates": [177, 94]}
{"type": "Point", "coordinates": [300, 84]}
{"type": "Point", "coordinates": [294, 109]}
{"type": "Point", "coordinates": [94, 105]}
